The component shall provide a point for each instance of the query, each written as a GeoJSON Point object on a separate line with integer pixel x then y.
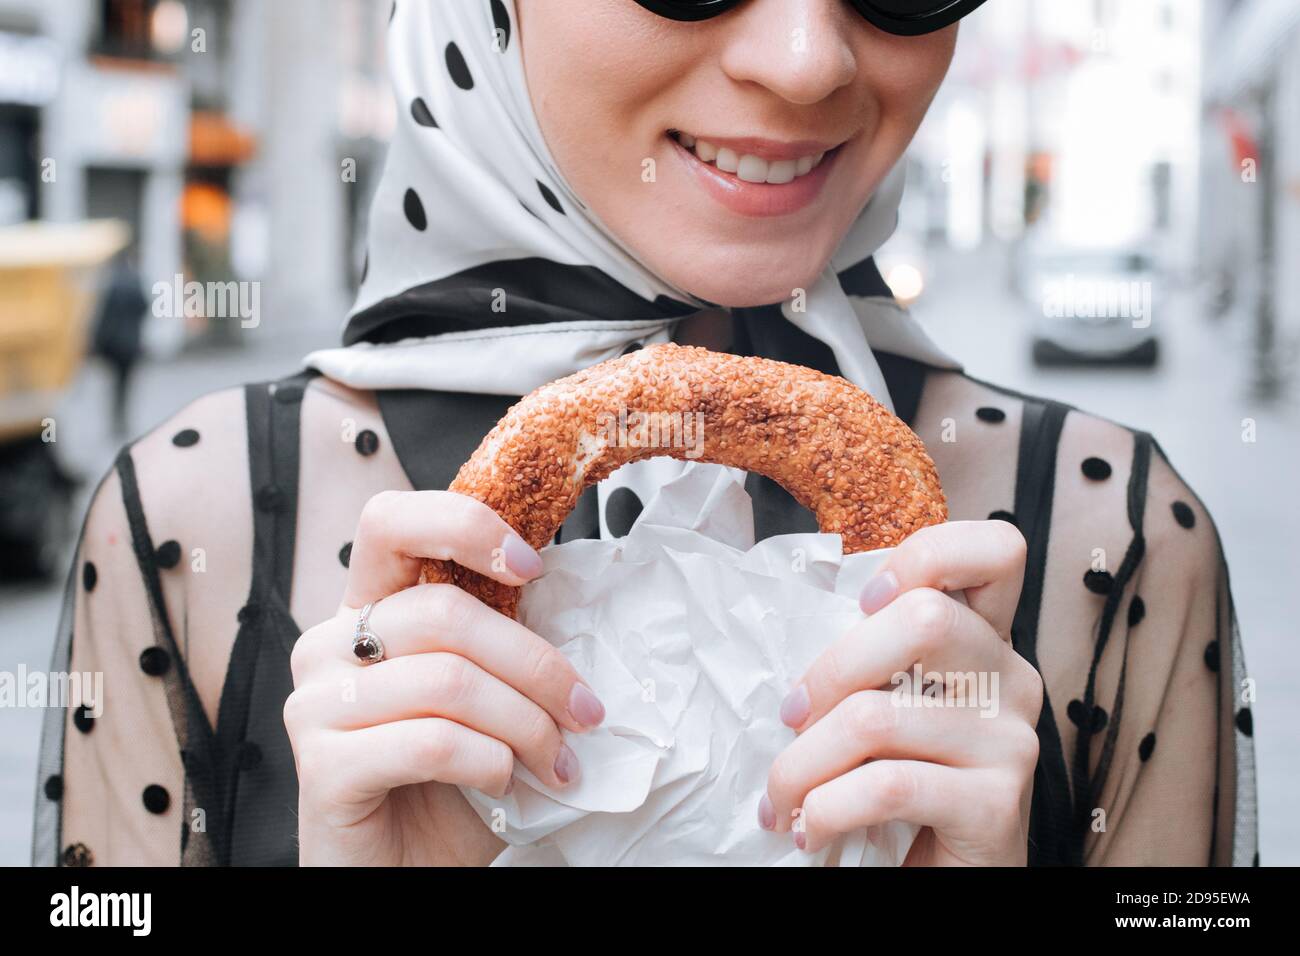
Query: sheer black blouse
{"type": "Point", "coordinates": [222, 534]}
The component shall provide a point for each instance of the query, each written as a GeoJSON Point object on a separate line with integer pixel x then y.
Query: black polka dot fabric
{"type": "Point", "coordinates": [457, 68]}
{"type": "Point", "coordinates": [1096, 469]}
{"type": "Point", "coordinates": [991, 415]}
{"type": "Point", "coordinates": [550, 197]}
{"type": "Point", "coordinates": [168, 554]}
{"type": "Point", "coordinates": [1089, 722]}
{"type": "Point", "coordinates": [1211, 656]}
{"type": "Point", "coordinates": [414, 210]}
{"type": "Point", "coordinates": [1006, 516]}
{"type": "Point", "coordinates": [156, 799]}
{"type": "Point", "coordinates": [1098, 582]}
{"type": "Point", "coordinates": [89, 576]}
{"type": "Point", "coordinates": [621, 511]}
{"type": "Point", "coordinates": [421, 113]}
{"type": "Point", "coordinates": [250, 613]}
{"type": "Point", "coordinates": [185, 438]}
{"type": "Point", "coordinates": [1137, 609]}
{"type": "Point", "coordinates": [367, 443]}
{"type": "Point", "coordinates": [83, 719]}
{"type": "Point", "coordinates": [54, 787]}
{"type": "Point", "coordinates": [501, 23]}
{"type": "Point", "coordinates": [155, 661]}
{"type": "Point", "coordinates": [1245, 722]}
{"type": "Point", "coordinates": [1147, 747]}
{"type": "Point", "coordinates": [1183, 514]}
{"type": "Point", "coordinates": [345, 554]}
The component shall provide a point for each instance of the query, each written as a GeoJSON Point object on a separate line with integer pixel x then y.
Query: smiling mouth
{"type": "Point", "coordinates": [748, 167]}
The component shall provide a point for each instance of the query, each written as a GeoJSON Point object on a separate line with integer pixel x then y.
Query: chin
{"type": "Point", "coordinates": [744, 281]}
{"type": "Point", "coordinates": [738, 288]}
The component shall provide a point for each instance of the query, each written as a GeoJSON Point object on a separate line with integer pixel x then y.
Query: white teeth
{"type": "Point", "coordinates": [752, 169]}
{"type": "Point", "coordinates": [782, 171]}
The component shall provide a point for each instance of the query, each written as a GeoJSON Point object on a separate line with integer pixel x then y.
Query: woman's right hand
{"type": "Point", "coordinates": [461, 694]}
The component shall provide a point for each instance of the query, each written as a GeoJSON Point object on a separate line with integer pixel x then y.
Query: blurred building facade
{"type": "Point", "coordinates": [1250, 190]}
{"type": "Point", "coordinates": [1073, 121]}
{"type": "Point", "coordinates": [240, 139]}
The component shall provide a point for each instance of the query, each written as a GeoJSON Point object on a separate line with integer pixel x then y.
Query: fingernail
{"type": "Point", "coordinates": [878, 592]}
{"type": "Point", "coordinates": [566, 765]}
{"type": "Point", "coordinates": [766, 813]}
{"type": "Point", "coordinates": [522, 560]}
{"type": "Point", "coordinates": [585, 707]}
{"type": "Point", "coordinates": [800, 840]}
{"type": "Point", "coordinates": [795, 707]}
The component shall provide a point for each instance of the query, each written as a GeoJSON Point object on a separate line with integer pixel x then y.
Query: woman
{"type": "Point", "coordinates": [570, 180]}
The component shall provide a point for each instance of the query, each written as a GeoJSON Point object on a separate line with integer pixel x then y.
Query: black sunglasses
{"type": "Point", "coordinates": [900, 17]}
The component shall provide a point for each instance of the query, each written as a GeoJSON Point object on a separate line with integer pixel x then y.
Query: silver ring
{"type": "Point", "coordinates": [366, 645]}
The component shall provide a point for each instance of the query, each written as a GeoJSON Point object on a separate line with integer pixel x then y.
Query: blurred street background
{"type": "Point", "coordinates": [1103, 207]}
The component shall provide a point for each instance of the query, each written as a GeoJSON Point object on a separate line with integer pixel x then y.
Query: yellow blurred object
{"type": "Point", "coordinates": [47, 297]}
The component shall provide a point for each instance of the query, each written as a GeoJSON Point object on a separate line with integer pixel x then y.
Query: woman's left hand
{"type": "Point", "coordinates": [868, 753]}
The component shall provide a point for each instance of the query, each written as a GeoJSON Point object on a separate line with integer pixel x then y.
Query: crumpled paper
{"type": "Point", "coordinates": [691, 635]}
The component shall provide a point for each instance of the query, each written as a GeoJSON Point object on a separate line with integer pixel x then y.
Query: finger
{"type": "Point", "coordinates": [430, 618]}
{"type": "Point", "coordinates": [986, 559]}
{"type": "Point", "coordinates": [923, 626]}
{"type": "Point", "coordinates": [877, 724]}
{"type": "Point", "coordinates": [378, 759]}
{"type": "Point", "coordinates": [447, 685]}
{"type": "Point", "coordinates": [926, 794]}
{"type": "Point", "coordinates": [398, 529]}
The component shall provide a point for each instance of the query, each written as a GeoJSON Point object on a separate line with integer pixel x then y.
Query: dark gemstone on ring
{"type": "Point", "coordinates": [367, 649]}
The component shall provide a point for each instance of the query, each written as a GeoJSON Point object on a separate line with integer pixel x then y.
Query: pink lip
{"type": "Point", "coordinates": [757, 200]}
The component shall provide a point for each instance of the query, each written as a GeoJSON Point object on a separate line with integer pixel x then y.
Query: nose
{"type": "Point", "coordinates": [796, 48]}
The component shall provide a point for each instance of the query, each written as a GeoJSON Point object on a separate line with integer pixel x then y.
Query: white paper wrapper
{"type": "Point", "coordinates": [691, 635]}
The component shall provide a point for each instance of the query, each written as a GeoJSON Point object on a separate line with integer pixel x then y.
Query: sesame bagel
{"type": "Point", "coordinates": [839, 452]}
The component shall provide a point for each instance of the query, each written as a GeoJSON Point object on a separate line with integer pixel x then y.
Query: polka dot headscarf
{"type": "Point", "coordinates": [488, 269]}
